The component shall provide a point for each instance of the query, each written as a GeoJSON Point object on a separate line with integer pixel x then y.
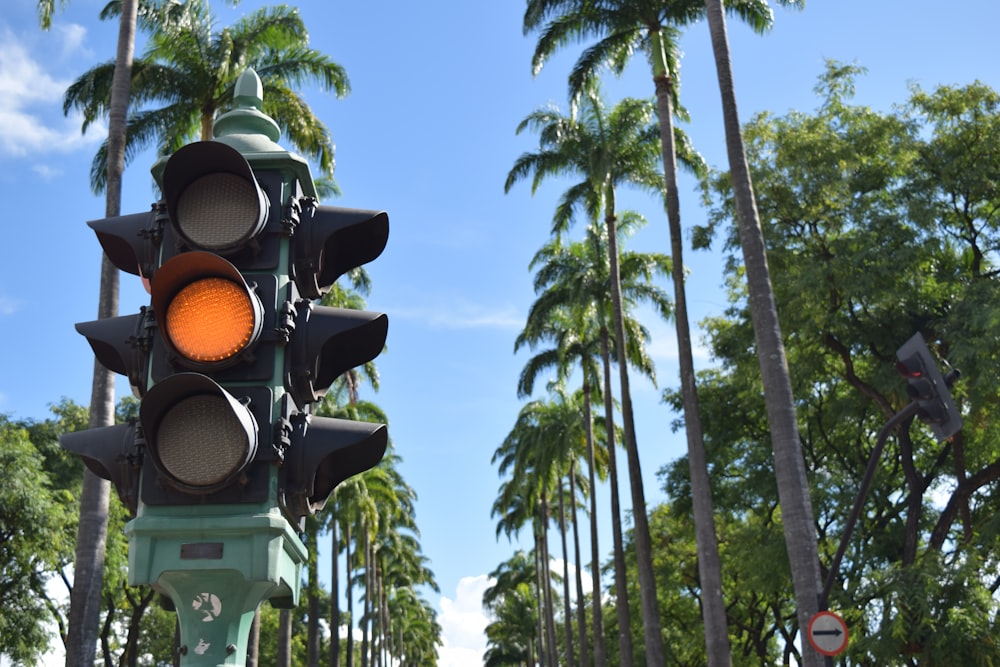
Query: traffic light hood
{"type": "Point", "coordinates": [213, 199]}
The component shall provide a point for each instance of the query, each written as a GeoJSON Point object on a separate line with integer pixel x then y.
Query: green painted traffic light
{"type": "Point", "coordinates": [928, 388]}
{"type": "Point", "coordinates": [229, 358]}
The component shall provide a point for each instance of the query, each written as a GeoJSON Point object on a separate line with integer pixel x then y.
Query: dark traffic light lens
{"type": "Point", "coordinates": [201, 443]}
{"type": "Point", "coordinates": [219, 211]}
{"type": "Point", "coordinates": [211, 320]}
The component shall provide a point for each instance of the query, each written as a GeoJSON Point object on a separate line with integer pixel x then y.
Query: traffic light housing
{"type": "Point", "coordinates": [241, 255]}
{"type": "Point", "coordinates": [928, 388]}
{"type": "Point", "coordinates": [226, 459]}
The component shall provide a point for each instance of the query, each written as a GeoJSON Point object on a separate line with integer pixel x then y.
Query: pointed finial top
{"type": "Point", "coordinates": [249, 92]}
{"type": "Point", "coordinates": [246, 116]}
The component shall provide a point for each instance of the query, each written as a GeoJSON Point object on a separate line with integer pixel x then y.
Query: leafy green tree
{"type": "Point", "coordinates": [835, 188]}
{"type": "Point", "coordinates": [38, 525]}
{"type": "Point", "coordinates": [32, 528]}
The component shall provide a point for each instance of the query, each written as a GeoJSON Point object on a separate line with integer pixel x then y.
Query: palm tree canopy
{"type": "Point", "coordinates": [189, 71]}
{"type": "Point", "coordinates": [624, 27]}
{"type": "Point", "coordinates": [574, 277]}
{"type": "Point", "coordinates": [603, 147]}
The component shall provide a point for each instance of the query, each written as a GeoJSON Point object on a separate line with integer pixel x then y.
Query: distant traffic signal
{"type": "Point", "coordinates": [928, 388]}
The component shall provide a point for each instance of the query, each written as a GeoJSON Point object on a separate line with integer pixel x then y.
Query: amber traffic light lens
{"type": "Point", "coordinates": [210, 320]}
{"type": "Point", "coordinates": [201, 443]}
{"type": "Point", "coordinates": [219, 211]}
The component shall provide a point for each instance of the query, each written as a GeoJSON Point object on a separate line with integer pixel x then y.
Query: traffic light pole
{"type": "Point", "coordinates": [906, 413]}
{"type": "Point", "coordinates": [216, 568]}
{"type": "Point", "coordinates": [911, 410]}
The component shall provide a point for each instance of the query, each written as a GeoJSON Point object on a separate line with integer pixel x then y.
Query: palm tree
{"type": "Point", "coordinates": [416, 633]}
{"type": "Point", "coordinates": [528, 456]}
{"type": "Point", "coordinates": [572, 311]}
{"type": "Point", "coordinates": [650, 26]}
{"type": "Point", "coordinates": [191, 72]}
{"type": "Point", "coordinates": [606, 149]}
{"type": "Point", "coordinates": [88, 571]}
{"type": "Point", "coordinates": [511, 601]}
{"type": "Point", "coordinates": [789, 463]}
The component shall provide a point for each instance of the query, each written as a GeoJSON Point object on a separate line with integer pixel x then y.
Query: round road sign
{"type": "Point", "coordinates": [828, 633]}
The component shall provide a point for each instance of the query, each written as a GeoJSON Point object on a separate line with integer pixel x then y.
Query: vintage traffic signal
{"type": "Point", "coordinates": [226, 458]}
{"type": "Point", "coordinates": [928, 388]}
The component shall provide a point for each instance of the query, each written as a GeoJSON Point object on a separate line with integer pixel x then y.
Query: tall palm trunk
{"type": "Point", "coordinates": [622, 608]}
{"type": "Point", "coordinates": [581, 612]}
{"type": "Point", "coordinates": [284, 652]}
{"type": "Point", "coordinates": [600, 655]}
{"type": "Point", "coordinates": [546, 574]}
{"type": "Point", "coordinates": [334, 588]}
{"type": "Point", "coordinates": [349, 586]}
{"type": "Point", "coordinates": [643, 546]}
{"type": "Point", "coordinates": [567, 603]}
{"type": "Point", "coordinates": [543, 658]}
{"type": "Point", "coordinates": [253, 642]}
{"type": "Point", "coordinates": [789, 465]}
{"type": "Point", "coordinates": [713, 606]}
{"type": "Point", "coordinates": [312, 593]}
{"type": "Point", "coordinates": [88, 573]}
{"type": "Point", "coordinates": [367, 608]}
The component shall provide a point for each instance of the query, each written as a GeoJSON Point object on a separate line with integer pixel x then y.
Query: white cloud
{"type": "Point", "coordinates": [45, 172]}
{"type": "Point", "coordinates": [71, 37]}
{"type": "Point", "coordinates": [662, 346]}
{"type": "Point", "coordinates": [586, 580]}
{"type": "Point", "coordinates": [8, 306]}
{"type": "Point", "coordinates": [32, 98]}
{"type": "Point", "coordinates": [461, 314]}
{"type": "Point", "coordinates": [463, 624]}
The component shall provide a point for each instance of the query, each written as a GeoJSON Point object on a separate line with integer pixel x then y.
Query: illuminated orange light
{"type": "Point", "coordinates": [210, 320]}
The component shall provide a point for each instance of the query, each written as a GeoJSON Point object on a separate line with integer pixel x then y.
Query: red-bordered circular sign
{"type": "Point", "coordinates": [827, 633]}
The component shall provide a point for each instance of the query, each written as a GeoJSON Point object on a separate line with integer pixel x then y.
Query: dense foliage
{"type": "Point", "coordinates": [879, 225]}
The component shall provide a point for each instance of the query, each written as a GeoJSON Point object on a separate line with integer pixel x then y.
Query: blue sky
{"type": "Point", "coordinates": [428, 135]}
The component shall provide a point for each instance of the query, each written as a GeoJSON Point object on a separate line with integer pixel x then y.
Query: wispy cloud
{"type": "Point", "coordinates": [8, 306]}
{"type": "Point", "coordinates": [462, 314]}
{"type": "Point", "coordinates": [662, 346]}
{"type": "Point", "coordinates": [31, 120]}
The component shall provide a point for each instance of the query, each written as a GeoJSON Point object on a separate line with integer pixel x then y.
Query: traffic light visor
{"type": "Point", "coordinates": [200, 437]}
{"type": "Point", "coordinates": [127, 241]}
{"type": "Point", "coordinates": [213, 199]}
{"type": "Point", "coordinates": [330, 241]}
{"type": "Point", "coordinates": [206, 311]}
{"type": "Point", "coordinates": [110, 452]}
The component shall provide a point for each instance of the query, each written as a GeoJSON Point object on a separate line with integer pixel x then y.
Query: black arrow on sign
{"type": "Point", "coordinates": [835, 633]}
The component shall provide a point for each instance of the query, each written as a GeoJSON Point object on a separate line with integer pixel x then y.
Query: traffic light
{"type": "Point", "coordinates": [232, 301]}
{"type": "Point", "coordinates": [226, 458]}
{"type": "Point", "coordinates": [926, 386]}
